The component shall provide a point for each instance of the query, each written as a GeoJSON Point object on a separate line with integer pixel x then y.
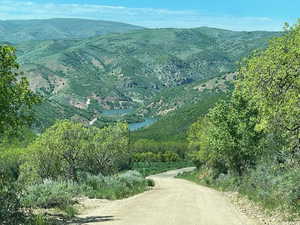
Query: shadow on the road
{"type": "Point", "coordinates": [60, 219]}
{"type": "Point", "coordinates": [92, 219]}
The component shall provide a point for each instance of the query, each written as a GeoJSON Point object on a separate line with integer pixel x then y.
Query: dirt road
{"type": "Point", "coordinates": [171, 202]}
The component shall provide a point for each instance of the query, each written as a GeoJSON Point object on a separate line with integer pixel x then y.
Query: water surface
{"type": "Point", "coordinates": [147, 122]}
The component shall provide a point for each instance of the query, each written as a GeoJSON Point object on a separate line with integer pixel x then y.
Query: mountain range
{"type": "Point", "coordinates": [16, 31]}
{"type": "Point", "coordinates": [83, 67]}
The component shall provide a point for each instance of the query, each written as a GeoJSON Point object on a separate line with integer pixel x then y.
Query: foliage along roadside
{"type": "Point", "coordinates": [251, 142]}
{"type": "Point", "coordinates": [16, 101]}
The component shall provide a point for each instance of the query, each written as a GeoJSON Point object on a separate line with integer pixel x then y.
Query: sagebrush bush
{"type": "Point", "coordinates": [52, 194]}
{"type": "Point", "coordinates": [61, 194]}
{"type": "Point", "coordinates": [273, 186]}
{"type": "Point", "coordinates": [115, 187]}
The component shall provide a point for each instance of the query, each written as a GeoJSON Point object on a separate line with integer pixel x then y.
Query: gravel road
{"type": "Point", "coordinates": [172, 202]}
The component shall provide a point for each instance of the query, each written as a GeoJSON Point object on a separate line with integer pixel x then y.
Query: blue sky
{"type": "Point", "coordinates": [227, 14]}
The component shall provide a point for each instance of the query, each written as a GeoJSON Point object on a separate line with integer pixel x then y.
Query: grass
{"type": "Point", "coordinates": [151, 168]}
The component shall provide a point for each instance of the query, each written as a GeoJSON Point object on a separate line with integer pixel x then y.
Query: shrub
{"type": "Point", "coordinates": [11, 212]}
{"type": "Point", "coordinates": [170, 157]}
{"type": "Point", "coordinates": [40, 220]}
{"type": "Point", "coordinates": [273, 186]}
{"type": "Point", "coordinates": [150, 182]}
{"type": "Point", "coordinates": [146, 157]}
{"type": "Point", "coordinates": [61, 194]}
{"type": "Point", "coordinates": [115, 187]}
{"type": "Point", "coordinates": [51, 194]}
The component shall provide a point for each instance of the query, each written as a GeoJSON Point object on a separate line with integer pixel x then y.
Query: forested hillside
{"type": "Point", "coordinates": [129, 70]}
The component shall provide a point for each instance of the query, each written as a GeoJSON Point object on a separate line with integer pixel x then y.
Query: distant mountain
{"type": "Point", "coordinates": [17, 31]}
{"type": "Point", "coordinates": [134, 69]}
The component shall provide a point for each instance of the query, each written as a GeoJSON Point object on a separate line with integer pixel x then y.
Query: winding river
{"type": "Point", "coordinates": [132, 126]}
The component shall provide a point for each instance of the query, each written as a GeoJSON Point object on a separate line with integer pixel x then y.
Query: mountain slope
{"type": "Point", "coordinates": [129, 70]}
{"type": "Point", "coordinates": [17, 31]}
{"type": "Point", "coordinates": [174, 125]}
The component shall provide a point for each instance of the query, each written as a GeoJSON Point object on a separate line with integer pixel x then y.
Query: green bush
{"type": "Point", "coordinates": [11, 210]}
{"type": "Point", "coordinates": [170, 157]}
{"type": "Point", "coordinates": [41, 220]}
{"type": "Point", "coordinates": [146, 157]}
{"type": "Point", "coordinates": [273, 186]}
{"type": "Point", "coordinates": [61, 194]}
{"type": "Point", "coordinates": [167, 156]}
{"type": "Point", "coordinates": [51, 194]}
{"type": "Point", "coordinates": [150, 182]}
{"type": "Point", "coordinates": [146, 145]}
{"type": "Point", "coordinates": [115, 187]}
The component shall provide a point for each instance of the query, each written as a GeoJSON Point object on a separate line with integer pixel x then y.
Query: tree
{"type": "Point", "coordinates": [58, 152]}
{"type": "Point", "coordinates": [271, 80]}
{"type": "Point", "coordinates": [16, 98]}
{"type": "Point", "coordinates": [263, 114]}
{"type": "Point", "coordinates": [67, 149]}
{"type": "Point", "coordinates": [108, 149]}
{"type": "Point", "coordinates": [227, 139]}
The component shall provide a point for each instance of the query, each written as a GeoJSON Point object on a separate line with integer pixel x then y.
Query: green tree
{"type": "Point", "coordinates": [271, 80]}
{"type": "Point", "coordinates": [227, 139]}
{"type": "Point", "coordinates": [16, 98]}
{"type": "Point", "coordinates": [108, 149]}
{"type": "Point", "coordinates": [67, 149]}
{"type": "Point", "coordinates": [60, 150]}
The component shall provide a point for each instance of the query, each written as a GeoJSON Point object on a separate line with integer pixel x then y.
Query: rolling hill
{"type": "Point", "coordinates": [152, 70]}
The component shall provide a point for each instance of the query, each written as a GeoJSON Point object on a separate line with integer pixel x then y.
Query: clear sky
{"type": "Point", "coordinates": [227, 14]}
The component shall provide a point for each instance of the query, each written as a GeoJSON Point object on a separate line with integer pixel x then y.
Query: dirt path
{"type": "Point", "coordinates": [171, 202]}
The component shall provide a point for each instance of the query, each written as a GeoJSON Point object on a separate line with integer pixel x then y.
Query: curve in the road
{"type": "Point", "coordinates": [171, 202]}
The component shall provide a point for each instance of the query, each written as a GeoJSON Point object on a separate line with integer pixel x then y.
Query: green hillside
{"type": "Point", "coordinates": [174, 126]}
{"type": "Point", "coordinates": [17, 31]}
{"type": "Point", "coordinates": [134, 69]}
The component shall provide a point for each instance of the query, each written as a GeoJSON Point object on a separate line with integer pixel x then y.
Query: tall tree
{"type": "Point", "coordinates": [16, 98]}
{"type": "Point", "coordinates": [271, 79]}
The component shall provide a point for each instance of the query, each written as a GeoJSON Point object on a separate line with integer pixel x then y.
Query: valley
{"type": "Point", "coordinates": [109, 123]}
{"type": "Point", "coordinates": [153, 71]}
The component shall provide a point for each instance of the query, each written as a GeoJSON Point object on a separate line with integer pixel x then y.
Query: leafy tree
{"type": "Point", "coordinates": [67, 149]}
{"type": "Point", "coordinates": [108, 149]}
{"type": "Point", "coordinates": [59, 150]}
{"type": "Point", "coordinates": [16, 98]}
{"type": "Point", "coordinates": [271, 80]}
{"type": "Point", "coordinates": [227, 138]}
{"type": "Point", "coordinates": [262, 114]}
